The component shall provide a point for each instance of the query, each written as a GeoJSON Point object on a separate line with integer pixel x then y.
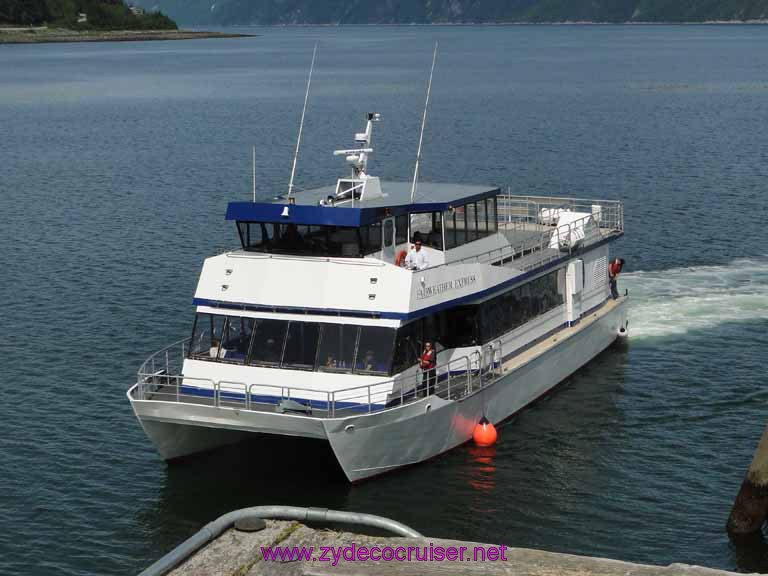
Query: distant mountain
{"type": "Point", "coordinates": [435, 11]}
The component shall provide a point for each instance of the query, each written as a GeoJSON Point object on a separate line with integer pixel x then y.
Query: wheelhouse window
{"type": "Point", "coordinates": [389, 232]}
{"type": "Point", "coordinates": [428, 227]}
{"type": "Point", "coordinates": [401, 229]}
{"type": "Point", "coordinates": [370, 237]}
{"type": "Point", "coordinates": [338, 344]}
{"type": "Point", "coordinates": [299, 239]}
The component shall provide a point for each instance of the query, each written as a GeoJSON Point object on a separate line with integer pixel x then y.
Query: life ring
{"type": "Point", "coordinates": [400, 258]}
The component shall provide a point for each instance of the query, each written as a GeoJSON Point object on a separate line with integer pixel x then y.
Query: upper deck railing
{"type": "Point", "coordinates": [530, 224]}
{"type": "Point", "coordinates": [160, 378]}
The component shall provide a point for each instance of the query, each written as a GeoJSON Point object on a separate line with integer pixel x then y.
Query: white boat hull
{"type": "Point", "coordinates": [372, 444]}
{"type": "Point", "coordinates": [391, 439]}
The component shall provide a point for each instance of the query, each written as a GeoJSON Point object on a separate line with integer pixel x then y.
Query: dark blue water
{"type": "Point", "coordinates": [116, 163]}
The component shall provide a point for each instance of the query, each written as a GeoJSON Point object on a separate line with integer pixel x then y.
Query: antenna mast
{"type": "Point", "coordinates": [301, 125]}
{"type": "Point", "coordinates": [423, 123]}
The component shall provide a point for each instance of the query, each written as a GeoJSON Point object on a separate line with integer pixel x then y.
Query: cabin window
{"type": "Point", "coordinates": [428, 227]}
{"type": "Point", "coordinates": [389, 232]}
{"type": "Point", "coordinates": [268, 342]}
{"type": "Point", "coordinates": [407, 347]}
{"type": "Point", "coordinates": [516, 307]}
{"type": "Point", "coordinates": [482, 218]}
{"type": "Point", "coordinates": [301, 345]}
{"type": "Point", "coordinates": [470, 210]}
{"type": "Point", "coordinates": [374, 350]}
{"type": "Point", "coordinates": [370, 238]}
{"type": "Point", "coordinates": [470, 222]}
{"type": "Point", "coordinates": [299, 239]}
{"type": "Point", "coordinates": [451, 239]}
{"type": "Point", "coordinates": [401, 229]}
{"type": "Point", "coordinates": [493, 223]}
{"type": "Point", "coordinates": [236, 339]}
{"type": "Point", "coordinates": [206, 336]}
{"type": "Point", "coordinates": [338, 343]}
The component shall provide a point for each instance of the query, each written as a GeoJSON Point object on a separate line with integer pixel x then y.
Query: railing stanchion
{"type": "Point", "coordinates": [370, 408]}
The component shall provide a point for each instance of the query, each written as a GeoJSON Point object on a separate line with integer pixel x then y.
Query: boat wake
{"type": "Point", "coordinates": [680, 300]}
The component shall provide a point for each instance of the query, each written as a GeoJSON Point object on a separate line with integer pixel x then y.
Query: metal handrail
{"type": "Point", "coordinates": [472, 369]}
{"type": "Point", "coordinates": [539, 242]}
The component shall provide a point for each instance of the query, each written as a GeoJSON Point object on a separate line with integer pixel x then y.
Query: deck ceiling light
{"type": "Point", "coordinates": [285, 213]}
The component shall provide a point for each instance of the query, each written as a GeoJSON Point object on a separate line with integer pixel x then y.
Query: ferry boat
{"type": "Point", "coordinates": [314, 326]}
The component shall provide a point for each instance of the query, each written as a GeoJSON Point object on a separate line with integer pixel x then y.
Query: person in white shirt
{"type": "Point", "coordinates": [417, 258]}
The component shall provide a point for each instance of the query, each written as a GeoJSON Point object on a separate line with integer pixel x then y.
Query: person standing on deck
{"type": "Point", "coordinates": [614, 269]}
{"type": "Point", "coordinates": [429, 369]}
{"type": "Point", "coordinates": [417, 258]}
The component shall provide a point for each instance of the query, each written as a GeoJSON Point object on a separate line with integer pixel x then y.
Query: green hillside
{"type": "Point", "coordinates": [436, 11]}
{"type": "Point", "coordinates": [101, 15]}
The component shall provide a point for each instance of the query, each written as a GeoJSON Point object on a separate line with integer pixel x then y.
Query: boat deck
{"type": "Point", "coordinates": [530, 245]}
{"type": "Point", "coordinates": [484, 370]}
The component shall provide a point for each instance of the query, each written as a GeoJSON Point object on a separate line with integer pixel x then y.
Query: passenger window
{"type": "Point", "coordinates": [374, 350]}
{"type": "Point", "coordinates": [268, 341]}
{"type": "Point", "coordinates": [236, 339]}
{"type": "Point", "coordinates": [206, 336]}
{"type": "Point", "coordinates": [337, 348]}
{"type": "Point", "coordinates": [301, 345]}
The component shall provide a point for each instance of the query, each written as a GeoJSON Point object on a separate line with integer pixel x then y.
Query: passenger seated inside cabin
{"type": "Point", "coordinates": [213, 352]}
{"type": "Point", "coordinates": [331, 362]}
{"type": "Point", "coordinates": [271, 353]}
{"type": "Point", "coordinates": [417, 258]}
{"type": "Point", "coordinates": [369, 363]}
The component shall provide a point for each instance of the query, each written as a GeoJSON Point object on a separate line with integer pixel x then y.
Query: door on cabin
{"type": "Point", "coordinates": [388, 240]}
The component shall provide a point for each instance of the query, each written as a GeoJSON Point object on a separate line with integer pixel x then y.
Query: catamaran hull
{"type": "Point", "coordinates": [372, 444]}
{"type": "Point", "coordinates": [174, 441]}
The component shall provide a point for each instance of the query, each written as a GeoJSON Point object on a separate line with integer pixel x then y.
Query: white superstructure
{"type": "Point", "coordinates": [314, 328]}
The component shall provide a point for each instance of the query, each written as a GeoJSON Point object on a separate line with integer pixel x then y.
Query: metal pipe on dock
{"type": "Point", "coordinates": [214, 529]}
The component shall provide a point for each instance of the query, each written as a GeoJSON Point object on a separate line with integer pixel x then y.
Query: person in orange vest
{"type": "Point", "coordinates": [614, 269]}
{"type": "Point", "coordinates": [428, 368]}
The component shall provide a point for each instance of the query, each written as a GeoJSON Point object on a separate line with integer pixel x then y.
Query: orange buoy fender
{"type": "Point", "coordinates": [400, 258]}
{"type": "Point", "coordinates": [485, 433]}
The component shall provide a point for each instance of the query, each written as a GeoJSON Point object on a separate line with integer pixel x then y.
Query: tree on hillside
{"type": "Point", "coordinates": [23, 12]}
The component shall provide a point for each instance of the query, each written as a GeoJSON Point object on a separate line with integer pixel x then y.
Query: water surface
{"type": "Point", "coordinates": [116, 163]}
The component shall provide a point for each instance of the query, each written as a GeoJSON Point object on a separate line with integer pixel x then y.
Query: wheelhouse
{"type": "Point", "coordinates": [354, 228]}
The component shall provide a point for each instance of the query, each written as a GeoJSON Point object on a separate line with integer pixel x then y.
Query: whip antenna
{"type": "Point", "coordinates": [301, 125]}
{"type": "Point", "coordinates": [423, 123]}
